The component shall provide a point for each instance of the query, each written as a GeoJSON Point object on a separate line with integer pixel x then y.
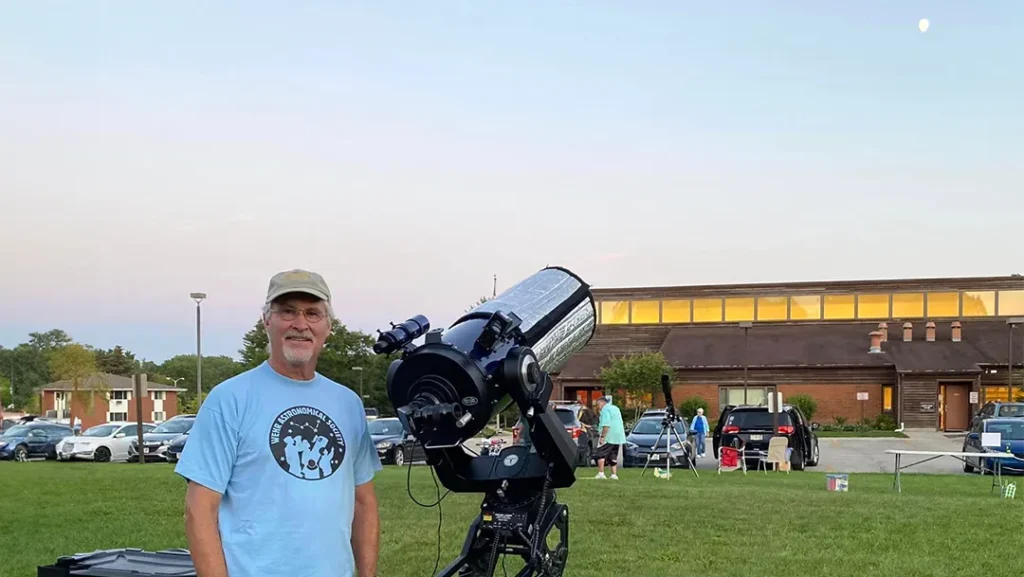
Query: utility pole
{"type": "Point", "coordinates": [360, 370]}
{"type": "Point", "coordinates": [746, 327]}
{"type": "Point", "coordinates": [494, 291]}
{"type": "Point", "coordinates": [140, 391]}
{"type": "Point", "coordinates": [198, 297]}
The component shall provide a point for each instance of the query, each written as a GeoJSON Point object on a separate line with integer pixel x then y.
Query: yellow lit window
{"type": "Point", "coordinates": [979, 304]}
{"type": "Point", "coordinates": [943, 304]}
{"type": "Point", "coordinates": [886, 399]}
{"type": "Point", "coordinates": [645, 312]}
{"type": "Point", "coordinates": [771, 309]}
{"type": "Point", "coordinates": [739, 309]}
{"type": "Point", "coordinates": [707, 310]}
{"type": "Point", "coordinates": [1011, 303]}
{"type": "Point", "coordinates": [995, 394]}
{"type": "Point", "coordinates": [907, 305]}
{"type": "Point", "coordinates": [839, 306]}
{"type": "Point", "coordinates": [677, 311]}
{"type": "Point", "coordinates": [873, 306]}
{"type": "Point", "coordinates": [805, 308]}
{"type": "Point", "coordinates": [614, 312]}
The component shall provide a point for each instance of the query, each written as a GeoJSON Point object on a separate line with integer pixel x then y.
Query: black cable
{"type": "Point", "coordinates": [440, 498]}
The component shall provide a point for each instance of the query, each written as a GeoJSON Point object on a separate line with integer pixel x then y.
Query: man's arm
{"type": "Point", "coordinates": [201, 529]}
{"type": "Point", "coordinates": [365, 531]}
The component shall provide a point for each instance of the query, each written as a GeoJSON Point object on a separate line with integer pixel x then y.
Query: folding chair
{"type": "Point", "coordinates": [778, 454]}
{"type": "Point", "coordinates": [731, 459]}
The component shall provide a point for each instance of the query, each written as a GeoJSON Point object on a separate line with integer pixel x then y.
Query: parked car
{"type": "Point", "coordinates": [579, 422]}
{"type": "Point", "coordinates": [394, 444]}
{"type": "Point", "coordinates": [997, 410]}
{"type": "Point", "coordinates": [642, 437]}
{"type": "Point", "coordinates": [156, 441]}
{"type": "Point", "coordinates": [1011, 433]}
{"type": "Point", "coordinates": [102, 443]}
{"type": "Point", "coordinates": [32, 440]}
{"type": "Point", "coordinates": [175, 448]}
{"type": "Point", "coordinates": [753, 427]}
{"type": "Point", "coordinates": [371, 413]}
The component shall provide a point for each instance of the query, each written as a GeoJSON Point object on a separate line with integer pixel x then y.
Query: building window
{"type": "Point", "coordinates": [886, 399]}
{"type": "Point", "coordinates": [59, 396]}
{"type": "Point", "coordinates": [943, 305]}
{"type": "Point", "coordinates": [732, 395]}
{"type": "Point", "coordinates": [907, 305]}
{"type": "Point", "coordinates": [117, 417]}
{"type": "Point", "coordinates": [119, 395]}
{"type": "Point", "coordinates": [839, 307]}
{"type": "Point", "coordinates": [645, 312]}
{"type": "Point", "coordinates": [772, 309]}
{"type": "Point", "coordinates": [873, 306]}
{"type": "Point", "coordinates": [614, 312]}
{"type": "Point", "coordinates": [158, 395]}
{"type": "Point", "coordinates": [675, 311]}
{"type": "Point", "coordinates": [65, 414]}
{"type": "Point", "coordinates": [1011, 303]}
{"type": "Point", "coordinates": [979, 304]}
{"type": "Point", "coordinates": [158, 416]}
{"type": "Point", "coordinates": [707, 310]}
{"type": "Point", "coordinates": [805, 308]}
{"type": "Point", "coordinates": [739, 309]}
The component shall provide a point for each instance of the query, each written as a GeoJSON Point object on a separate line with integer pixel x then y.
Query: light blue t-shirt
{"type": "Point", "coordinates": [611, 417]}
{"type": "Point", "coordinates": [286, 455]}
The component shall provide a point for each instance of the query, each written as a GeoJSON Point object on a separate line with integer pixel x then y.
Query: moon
{"type": "Point", "coordinates": [923, 25]}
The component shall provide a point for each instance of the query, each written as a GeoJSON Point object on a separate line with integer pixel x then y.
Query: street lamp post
{"type": "Point", "coordinates": [360, 370]}
{"type": "Point", "coordinates": [745, 325]}
{"type": "Point", "coordinates": [1011, 324]}
{"type": "Point", "coordinates": [198, 297]}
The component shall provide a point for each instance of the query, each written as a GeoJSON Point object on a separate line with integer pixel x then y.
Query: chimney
{"type": "Point", "coordinates": [929, 332]}
{"type": "Point", "coordinates": [884, 329]}
{"type": "Point", "coordinates": [876, 342]}
{"type": "Point", "coordinates": [957, 332]}
{"type": "Point", "coordinates": [908, 328]}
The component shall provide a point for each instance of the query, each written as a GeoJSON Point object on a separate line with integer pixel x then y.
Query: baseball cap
{"type": "Point", "coordinates": [298, 281]}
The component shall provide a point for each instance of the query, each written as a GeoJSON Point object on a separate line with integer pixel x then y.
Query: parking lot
{"type": "Point", "coordinates": [867, 455]}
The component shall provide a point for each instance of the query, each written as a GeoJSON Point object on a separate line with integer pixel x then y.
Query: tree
{"type": "Point", "coordinates": [28, 368]}
{"type": "Point", "coordinates": [216, 369]}
{"type": "Point", "coordinates": [49, 341]}
{"type": "Point", "coordinates": [76, 364]}
{"type": "Point", "coordinates": [116, 361]}
{"type": "Point", "coordinates": [637, 374]}
{"type": "Point", "coordinates": [6, 399]}
{"type": "Point", "coordinates": [479, 302]}
{"type": "Point", "coordinates": [254, 346]}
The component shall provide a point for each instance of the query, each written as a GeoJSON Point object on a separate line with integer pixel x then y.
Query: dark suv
{"type": "Point", "coordinates": [753, 427]}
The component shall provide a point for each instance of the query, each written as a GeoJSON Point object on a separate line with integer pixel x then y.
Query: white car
{"type": "Point", "coordinates": [102, 443]}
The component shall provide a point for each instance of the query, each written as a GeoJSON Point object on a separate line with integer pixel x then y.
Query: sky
{"type": "Point", "coordinates": [410, 151]}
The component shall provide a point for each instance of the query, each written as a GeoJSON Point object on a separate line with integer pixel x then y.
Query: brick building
{"type": "Point", "coordinates": [928, 352]}
{"type": "Point", "coordinates": [113, 399]}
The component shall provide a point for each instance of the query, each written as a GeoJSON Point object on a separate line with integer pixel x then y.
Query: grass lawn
{"type": "Point", "coordinates": [774, 525]}
{"type": "Point", "coordinates": [862, 434]}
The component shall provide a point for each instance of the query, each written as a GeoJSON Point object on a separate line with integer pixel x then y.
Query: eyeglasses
{"type": "Point", "coordinates": [290, 313]}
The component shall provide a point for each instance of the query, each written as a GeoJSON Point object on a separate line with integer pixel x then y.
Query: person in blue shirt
{"type": "Point", "coordinates": [280, 462]}
{"type": "Point", "coordinates": [700, 430]}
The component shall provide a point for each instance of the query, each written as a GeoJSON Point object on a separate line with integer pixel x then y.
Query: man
{"type": "Point", "coordinates": [280, 462]}
{"type": "Point", "coordinates": [700, 431]}
{"type": "Point", "coordinates": [612, 436]}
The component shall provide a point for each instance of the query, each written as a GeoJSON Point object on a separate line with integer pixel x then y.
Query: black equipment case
{"type": "Point", "coordinates": [123, 563]}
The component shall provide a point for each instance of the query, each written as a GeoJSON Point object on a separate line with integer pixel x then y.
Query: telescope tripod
{"type": "Point", "coordinates": [668, 428]}
{"type": "Point", "coordinates": [522, 529]}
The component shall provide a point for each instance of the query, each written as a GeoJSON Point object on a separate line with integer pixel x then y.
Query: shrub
{"type": "Point", "coordinates": [688, 408]}
{"type": "Point", "coordinates": [885, 423]}
{"type": "Point", "coordinates": [807, 405]}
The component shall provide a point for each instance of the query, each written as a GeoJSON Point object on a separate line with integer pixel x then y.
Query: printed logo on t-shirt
{"type": "Point", "coordinates": [306, 443]}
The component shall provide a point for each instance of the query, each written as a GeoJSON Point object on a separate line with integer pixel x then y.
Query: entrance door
{"type": "Point", "coordinates": [957, 413]}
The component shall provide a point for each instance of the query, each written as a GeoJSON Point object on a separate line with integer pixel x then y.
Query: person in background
{"type": "Point", "coordinates": [700, 430]}
{"type": "Point", "coordinates": [612, 437]}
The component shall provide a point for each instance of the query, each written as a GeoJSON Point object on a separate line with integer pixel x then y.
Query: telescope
{"type": "Point", "coordinates": [448, 389]}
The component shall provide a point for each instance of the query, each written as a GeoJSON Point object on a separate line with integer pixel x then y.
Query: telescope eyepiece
{"type": "Point", "coordinates": [401, 335]}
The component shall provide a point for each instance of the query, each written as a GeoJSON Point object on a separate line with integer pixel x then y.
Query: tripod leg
{"type": "Point", "coordinates": [689, 459]}
{"type": "Point", "coordinates": [548, 560]}
{"type": "Point", "coordinates": [475, 554]}
{"type": "Point", "coordinates": [656, 443]}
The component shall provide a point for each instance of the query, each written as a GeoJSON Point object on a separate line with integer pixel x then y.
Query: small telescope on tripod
{"type": "Point", "coordinates": [669, 428]}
